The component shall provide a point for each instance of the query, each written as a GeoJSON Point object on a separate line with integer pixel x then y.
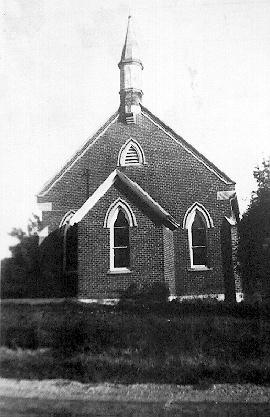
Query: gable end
{"type": "Point", "coordinates": [89, 142]}
{"type": "Point", "coordinates": [189, 148]}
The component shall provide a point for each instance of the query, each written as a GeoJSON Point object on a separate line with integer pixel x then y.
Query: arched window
{"type": "Point", "coordinates": [71, 248]}
{"type": "Point", "coordinates": [121, 249]}
{"type": "Point", "coordinates": [131, 153]}
{"type": "Point", "coordinates": [119, 219]}
{"type": "Point", "coordinates": [67, 217]}
{"type": "Point", "coordinates": [199, 241]}
{"type": "Point", "coordinates": [197, 221]}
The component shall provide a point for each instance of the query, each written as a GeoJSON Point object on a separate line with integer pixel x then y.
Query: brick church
{"type": "Point", "coordinates": [138, 204]}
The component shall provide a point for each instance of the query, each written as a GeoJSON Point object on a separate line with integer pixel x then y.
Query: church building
{"type": "Point", "coordinates": [138, 204]}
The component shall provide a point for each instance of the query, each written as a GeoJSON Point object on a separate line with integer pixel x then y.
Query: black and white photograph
{"type": "Point", "coordinates": [135, 208]}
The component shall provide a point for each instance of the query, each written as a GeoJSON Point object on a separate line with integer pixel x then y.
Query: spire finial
{"type": "Point", "coordinates": [130, 50]}
{"type": "Point", "coordinates": [131, 68]}
{"type": "Point", "coordinates": [129, 9]}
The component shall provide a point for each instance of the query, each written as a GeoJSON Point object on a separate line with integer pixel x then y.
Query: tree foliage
{"type": "Point", "coordinates": [254, 237]}
{"type": "Point", "coordinates": [19, 273]}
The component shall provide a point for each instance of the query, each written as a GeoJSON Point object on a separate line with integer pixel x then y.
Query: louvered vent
{"type": "Point", "coordinates": [132, 156]}
{"type": "Point", "coordinates": [130, 118]}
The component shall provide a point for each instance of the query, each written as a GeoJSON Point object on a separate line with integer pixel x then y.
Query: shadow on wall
{"type": "Point", "coordinates": [58, 264]}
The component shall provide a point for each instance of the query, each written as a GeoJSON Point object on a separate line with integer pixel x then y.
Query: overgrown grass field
{"type": "Point", "coordinates": [172, 343]}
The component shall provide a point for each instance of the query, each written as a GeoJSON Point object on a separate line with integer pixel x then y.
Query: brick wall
{"type": "Point", "coordinates": [173, 177]}
{"type": "Point", "coordinates": [146, 251]}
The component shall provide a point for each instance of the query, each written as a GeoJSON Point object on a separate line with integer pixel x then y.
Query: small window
{"type": "Point", "coordinates": [119, 219]}
{"type": "Point", "coordinates": [197, 221]}
{"type": "Point", "coordinates": [70, 248]}
{"type": "Point", "coordinates": [131, 154]}
{"type": "Point", "coordinates": [121, 241]}
{"type": "Point", "coordinates": [199, 241]}
{"type": "Point", "coordinates": [67, 217]}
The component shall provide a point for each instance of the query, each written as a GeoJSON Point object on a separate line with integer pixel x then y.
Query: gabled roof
{"type": "Point", "coordinates": [135, 189]}
{"type": "Point", "coordinates": [89, 142]}
{"type": "Point", "coordinates": [154, 119]}
{"type": "Point", "coordinates": [189, 148]}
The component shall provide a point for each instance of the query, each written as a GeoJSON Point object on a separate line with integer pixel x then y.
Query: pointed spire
{"type": "Point", "coordinates": [130, 52]}
{"type": "Point", "coordinates": [131, 68]}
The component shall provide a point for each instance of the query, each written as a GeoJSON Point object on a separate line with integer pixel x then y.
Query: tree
{"type": "Point", "coordinates": [254, 237]}
{"type": "Point", "coordinates": [19, 274]}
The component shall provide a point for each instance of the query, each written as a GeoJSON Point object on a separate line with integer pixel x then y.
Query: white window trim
{"type": "Point", "coordinates": [110, 219]}
{"type": "Point", "coordinates": [190, 214]}
{"type": "Point", "coordinates": [126, 207]}
{"type": "Point", "coordinates": [192, 265]}
{"type": "Point", "coordinates": [112, 267]}
{"type": "Point", "coordinates": [187, 224]}
{"type": "Point", "coordinates": [66, 218]}
{"type": "Point", "coordinates": [124, 150]}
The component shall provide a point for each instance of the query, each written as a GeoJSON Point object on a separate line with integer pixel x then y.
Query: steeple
{"type": "Point", "coordinates": [131, 68]}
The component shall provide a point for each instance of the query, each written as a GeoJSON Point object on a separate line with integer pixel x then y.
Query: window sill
{"type": "Point", "coordinates": [142, 164]}
{"type": "Point", "coordinates": [199, 269]}
{"type": "Point", "coordinates": [119, 271]}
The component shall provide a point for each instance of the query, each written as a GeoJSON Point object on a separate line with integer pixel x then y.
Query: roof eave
{"type": "Point", "coordinates": [162, 214]}
{"type": "Point", "coordinates": [187, 145]}
{"type": "Point", "coordinates": [89, 142]}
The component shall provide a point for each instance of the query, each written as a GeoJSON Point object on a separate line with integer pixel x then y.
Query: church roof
{"type": "Point", "coordinates": [187, 146]}
{"type": "Point", "coordinates": [78, 154]}
{"type": "Point", "coordinates": [170, 132]}
{"type": "Point", "coordinates": [146, 201]}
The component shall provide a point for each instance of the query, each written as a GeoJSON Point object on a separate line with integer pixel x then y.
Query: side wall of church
{"type": "Point", "coordinates": [194, 282]}
{"type": "Point", "coordinates": [169, 260]}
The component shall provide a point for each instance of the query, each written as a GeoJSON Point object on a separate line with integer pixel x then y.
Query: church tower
{"type": "Point", "coordinates": [131, 68]}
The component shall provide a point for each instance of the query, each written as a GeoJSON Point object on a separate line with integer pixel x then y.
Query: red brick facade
{"type": "Point", "coordinates": [175, 176]}
{"type": "Point", "coordinates": [145, 239]}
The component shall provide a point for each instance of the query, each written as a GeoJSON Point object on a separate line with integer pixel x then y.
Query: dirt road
{"type": "Point", "coordinates": [62, 398]}
{"type": "Point", "coordinates": [36, 407]}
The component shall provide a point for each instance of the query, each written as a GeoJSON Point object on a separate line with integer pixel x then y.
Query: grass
{"type": "Point", "coordinates": [122, 368]}
{"type": "Point", "coordinates": [91, 343]}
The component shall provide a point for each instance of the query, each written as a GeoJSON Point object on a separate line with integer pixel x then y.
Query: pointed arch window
{"type": "Point", "coordinates": [121, 249]}
{"type": "Point", "coordinates": [197, 221]}
{"type": "Point", "coordinates": [70, 243]}
{"type": "Point", "coordinates": [199, 241]}
{"type": "Point", "coordinates": [70, 259]}
{"type": "Point", "coordinates": [67, 217]}
{"type": "Point", "coordinates": [131, 153]}
{"type": "Point", "coordinates": [119, 219]}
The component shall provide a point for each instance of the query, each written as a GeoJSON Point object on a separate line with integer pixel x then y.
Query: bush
{"type": "Point", "coordinates": [187, 344]}
{"type": "Point", "coordinates": [147, 294]}
{"type": "Point", "coordinates": [23, 337]}
{"type": "Point", "coordinates": [93, 335]}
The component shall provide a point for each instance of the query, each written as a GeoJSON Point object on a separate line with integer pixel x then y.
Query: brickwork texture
{"type": "Point", "coordinates": [175, 179]}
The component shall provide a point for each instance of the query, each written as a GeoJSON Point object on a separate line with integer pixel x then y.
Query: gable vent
{"type": "Point", "coordinates": [130, 118]}
{"type": "Point", "coordinates": [131, 153]}
{"type": "Point", "coordinates": [132, 156]}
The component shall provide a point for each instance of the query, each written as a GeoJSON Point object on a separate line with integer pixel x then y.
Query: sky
{"type": "Point", "coordinates": [206, 75]}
